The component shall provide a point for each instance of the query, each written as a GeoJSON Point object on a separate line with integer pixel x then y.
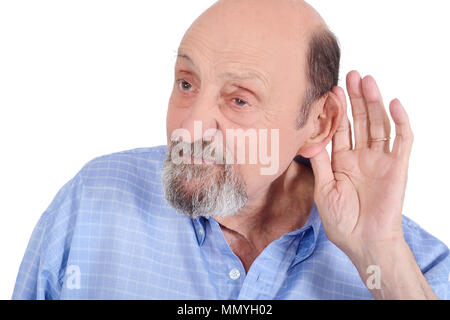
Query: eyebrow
{"type": "Point", "coordinates": [185, 56]}
{"type": "Point", "coordinates": [231, 75]}
{"type": "Point", "coordinates": [242, 76]}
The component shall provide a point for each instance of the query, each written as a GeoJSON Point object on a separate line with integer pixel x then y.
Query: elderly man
{"type": "Point", "coordinates": [191, 221]}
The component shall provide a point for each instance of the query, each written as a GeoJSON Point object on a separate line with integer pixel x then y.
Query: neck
{"type": "Point", "coordinates": [283, 207]}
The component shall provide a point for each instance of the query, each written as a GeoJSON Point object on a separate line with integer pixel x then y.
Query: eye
{"type": "Point", "coordinates": [240, 103]}
{"type": "Point", "coordinates": [184, 85]}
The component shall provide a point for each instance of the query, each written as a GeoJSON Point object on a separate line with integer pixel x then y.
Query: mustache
{"type": "Point", "coordinates": [201, 149]}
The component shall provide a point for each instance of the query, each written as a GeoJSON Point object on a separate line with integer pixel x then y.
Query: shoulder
{"type": "Point", "coordinates": [110, 191]}
{"type": "Point", "coordinates": [431, 254]}
{"type": "Point", "coordinates": [119, 181]}
{"type": "Point", "coordinates": [425, 246]}
{"type": "Point", "coordinates": [129, 169]}
{"type": "Point", "coordinates": [130, 178]}
{"type": "Point", "coordinates": [146, 161]}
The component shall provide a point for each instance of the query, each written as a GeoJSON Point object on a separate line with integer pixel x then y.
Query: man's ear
{"type": "Point", "coordinates": [326, 115]}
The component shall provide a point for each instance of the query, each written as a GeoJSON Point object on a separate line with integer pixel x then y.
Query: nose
{"type": "Point", "coordinates": [201, 121]}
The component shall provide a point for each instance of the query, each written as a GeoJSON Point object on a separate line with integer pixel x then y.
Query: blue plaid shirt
{"type": "Point", "coordinates": [109, 234]}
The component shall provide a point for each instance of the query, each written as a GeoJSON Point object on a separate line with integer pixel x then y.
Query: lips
{"type": "Point", "coordinates": [195, 160]}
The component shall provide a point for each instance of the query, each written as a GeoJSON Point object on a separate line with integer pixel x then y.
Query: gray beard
{"type": "Point", "coordinates": [201, 190]}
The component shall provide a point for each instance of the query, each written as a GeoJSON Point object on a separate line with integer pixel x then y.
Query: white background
{"type": "Point", "coordinates": [79, 79]}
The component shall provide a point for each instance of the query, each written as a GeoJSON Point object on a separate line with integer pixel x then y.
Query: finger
{"type": "Point", "coordinates": [359, 110]}
{"type": "Point", "coordinates": [321, 165]}
{"type": "Point", "coordinates": [379, 126]}
{"type": "Point", "coordinates": [403, 134]}
{"type": "Point", "coordinates": [342, 139]}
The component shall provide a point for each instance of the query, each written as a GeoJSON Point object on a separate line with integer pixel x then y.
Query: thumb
{"type": "Point", "coordinates": [321, 165]}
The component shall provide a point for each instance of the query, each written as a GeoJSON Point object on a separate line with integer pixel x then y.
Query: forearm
{"type": "Point", "coordinates": [399, 275]}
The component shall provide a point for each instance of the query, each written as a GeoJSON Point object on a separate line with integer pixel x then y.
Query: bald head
{"type": "Point", "coordinates": [275, 14]}
{"type": "Point", "coordinates": [289, 20]}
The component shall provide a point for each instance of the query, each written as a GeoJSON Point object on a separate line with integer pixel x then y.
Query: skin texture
{"type": "Point", "coordinates": [359, 193]}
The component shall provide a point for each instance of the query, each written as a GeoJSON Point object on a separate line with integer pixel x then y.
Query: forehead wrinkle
{"type": "Point", "coordinates": [199, 39]}
{"type": "Point", "coordinates": [248, 74]}
{"type": "Point", "coordinates": [244, 76]}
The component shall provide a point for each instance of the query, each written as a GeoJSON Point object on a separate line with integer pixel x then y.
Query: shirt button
{"type": "Point", "coordinates": [200, 231]}
{"type": "Point", "coordinates": [234, 274]}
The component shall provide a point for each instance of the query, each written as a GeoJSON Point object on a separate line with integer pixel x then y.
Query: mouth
{"type": "Point", "coordinates": [195, 160]}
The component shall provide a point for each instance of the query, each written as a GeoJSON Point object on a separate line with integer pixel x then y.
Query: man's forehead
{"type": "Point", "coordinates": [243, 45]}
{"type": "Point", "coordinates": [271, 52]}
{"type": "Point", "coordinates": [255, 73]}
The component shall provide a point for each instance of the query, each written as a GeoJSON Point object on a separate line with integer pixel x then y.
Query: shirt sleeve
{"type": "Point", "coordinates": [39, 274]}
{"type": "Point", "coordinates": [432, 256]}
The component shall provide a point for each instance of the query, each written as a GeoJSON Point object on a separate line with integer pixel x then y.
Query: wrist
{"type": "Point", "coordinates": [389, 270]}
{"type": "Point", "coordinates": [379, 252]}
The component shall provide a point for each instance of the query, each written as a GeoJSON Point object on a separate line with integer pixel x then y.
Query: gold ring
{"type": "Point", "coordinates": [382, 139]}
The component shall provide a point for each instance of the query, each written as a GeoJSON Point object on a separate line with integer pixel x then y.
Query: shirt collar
{"type": "Point", "coordinates": [308, 234]}
{"type": "Point", "coordinates": [200, 229]}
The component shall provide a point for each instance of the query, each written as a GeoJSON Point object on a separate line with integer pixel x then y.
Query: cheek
{"type": "Point", "coordinates": [290, 143]}
{"type": "Point", "coordinates": [175, 117]}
